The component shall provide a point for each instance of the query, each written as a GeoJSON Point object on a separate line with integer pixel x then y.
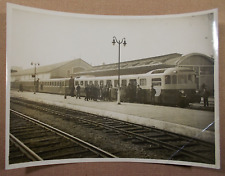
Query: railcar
{"type": "Point", "coordinates": [53, 86]}
{"type": "Point", "coordinates": [170, 85]}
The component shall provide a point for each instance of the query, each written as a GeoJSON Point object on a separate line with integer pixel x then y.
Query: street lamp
{"type": "Point", "coordinates": [123, 41]}
{"type": "Point", "coordinates": [34, 75]}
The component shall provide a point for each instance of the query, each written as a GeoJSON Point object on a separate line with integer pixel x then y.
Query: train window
{"type": "Point", "coordinates": [62, 83]}
{"type": "Point", "coordinates": [124, 82]}
{"type": "Point", "coordinates": [76, 83]}
{"type": "Point", "coordinates": [81, 83]}
{"type": "Point", "coordinates": [57, 83]}
{"type": "Point", "coordinates": [167, 79]}
{"type": "Point", "coordinates": [86, 83]}
{"type": "Point", "coordinates": [108, 82]}
{"type": "Point", "coordinates": [182, 79]}
{"type": "Point", "coordinates": [158, 71]}
{"type": "Point", "coordinates": [156, 82]}
{"type": "Point", "coordinates": [133, 82]}
{"type": "Point", "coordinates": [96, 83]}
{"type": "Point", "coordinates": [115, 83]}
{"type": "Point", "coordinates": [101, 82]}
{"type": "Point", "coordinates": [174, 79]}
{"type": "Point", "coordinates": [143, 82]}
{"type": "Point", "coordinates": [191, 78]}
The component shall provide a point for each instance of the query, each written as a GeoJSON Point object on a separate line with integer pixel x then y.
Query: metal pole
{"type": "Point", "coordinates": [118, 95]}
{"type": "Point", "coordinates": [124, 43]}
{"type": "Point", "coordinates": [34, 78]}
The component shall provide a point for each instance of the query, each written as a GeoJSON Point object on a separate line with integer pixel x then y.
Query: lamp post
{"type": "Point", "coordinates": [34, 75]}
{"type": "Point", "coordinates": [123, 41]}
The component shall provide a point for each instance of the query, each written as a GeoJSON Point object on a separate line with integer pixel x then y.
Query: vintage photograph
{"type": "Point", "coordinates": [101, 88]}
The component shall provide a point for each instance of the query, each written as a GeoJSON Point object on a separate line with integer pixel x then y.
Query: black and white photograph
{"type": "Point", "coordinates": [111, 88]}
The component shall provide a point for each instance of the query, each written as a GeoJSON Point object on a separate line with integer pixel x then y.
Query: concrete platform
{"type": "Point", "coordinates": [188, 122]}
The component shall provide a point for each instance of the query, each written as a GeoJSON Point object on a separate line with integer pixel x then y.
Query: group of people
{"type": "Point", "coordinates": [95, 92]}
{"type": "Point", "coordinates": [130, 93]}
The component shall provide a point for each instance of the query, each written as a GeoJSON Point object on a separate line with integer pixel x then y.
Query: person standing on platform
{"type": "Point", "coordinates": [153, 92]}
{"type": "Point", "coordinates": [20, 88]}
{"type": "Point", "coordinates": [138, 94]}
{"type": "Point", "coordinates": [71, 86]}
{"type": "Point", "coordinates": [205, 95]}
{"type": "Point", "coordinates": [78, 91]}
{"type": "Point", "coordinates": [129, 92]}
{"type": "Point", "coordinates": [37, 85]}
{"type": "Point", "coordinates": [86, 89]}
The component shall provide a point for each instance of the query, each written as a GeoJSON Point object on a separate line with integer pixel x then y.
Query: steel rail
{"type": "Point", "coordinates": [24, 149]}
{"type": "Point", "coordinates": [82, 143]}
{"type": "Point", "coordinates": [137, 136]}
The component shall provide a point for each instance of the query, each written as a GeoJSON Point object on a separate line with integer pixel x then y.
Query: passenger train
{"type": "Point", "coordinates": [171, 84]}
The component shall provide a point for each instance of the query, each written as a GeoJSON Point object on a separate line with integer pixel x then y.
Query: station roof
{"type": "Point", "coordinates": [44, 69]}
{"type": "Point", "coordinates": [139, 66]}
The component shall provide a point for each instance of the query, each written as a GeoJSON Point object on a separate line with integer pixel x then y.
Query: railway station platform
{"type": "Point", "coordinates": [189, 122]}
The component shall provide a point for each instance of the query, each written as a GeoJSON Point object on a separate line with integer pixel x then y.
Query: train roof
{"type": "Point", "coordinates": [153, 72]}
{"type": "Point", "coordinates": [170, 70]}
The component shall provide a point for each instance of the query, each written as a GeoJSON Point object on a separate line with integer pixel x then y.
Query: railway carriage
{"type": "Point", "coordinates": [169, 83]}
{"type": "Point", "coordinates": [54, 86]}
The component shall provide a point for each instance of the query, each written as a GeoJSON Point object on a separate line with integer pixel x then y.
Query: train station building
{"type": "Point", "coordinates": [202, 64]}
{"type": "Point", "coordinates": [58, 70]}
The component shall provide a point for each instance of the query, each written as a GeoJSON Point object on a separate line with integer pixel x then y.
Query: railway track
{"type": "Point", "coordinates": [32, 140]}
{"type": "Point", "coordinates": [176, 147]}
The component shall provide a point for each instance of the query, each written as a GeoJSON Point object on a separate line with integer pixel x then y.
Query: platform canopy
{"type": "Point", "coordinates": [139, 66]}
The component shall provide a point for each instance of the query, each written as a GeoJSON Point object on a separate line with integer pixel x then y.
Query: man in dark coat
{"type": "Point", "coordinates": [71, 86]}
{"type": "Point", "coordinates": [78, 91]}
{"type": "Point", "coordinates": [153, 92]}
{"type": "Point", "coordinates": [205, 95]}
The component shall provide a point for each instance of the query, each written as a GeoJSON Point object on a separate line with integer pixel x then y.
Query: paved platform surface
{"type": "Point", "coordinates": [189, 122]}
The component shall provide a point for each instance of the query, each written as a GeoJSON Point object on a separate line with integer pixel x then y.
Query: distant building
{"type": "Point", "coordinates": [59, 70]}
{"type": "Point", "coordinates": [16, 69]}
{"type": "Point", "coordinates": [202, 64]}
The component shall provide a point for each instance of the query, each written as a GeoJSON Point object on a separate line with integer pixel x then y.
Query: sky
{"type": "Point", "coordinates": [48, 37]}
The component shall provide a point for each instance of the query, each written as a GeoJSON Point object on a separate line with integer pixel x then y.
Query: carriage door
{"type": "Point", "coordinates": [157, 84]}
